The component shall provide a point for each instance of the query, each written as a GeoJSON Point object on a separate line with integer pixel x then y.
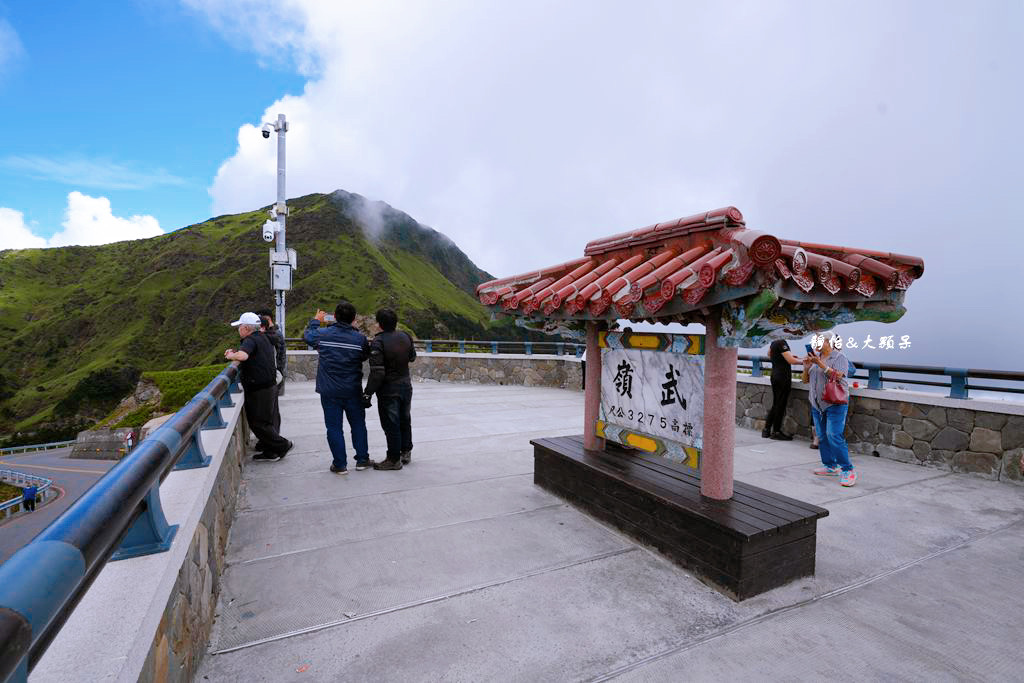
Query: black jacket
{"type": "Point", "coordinates": [258, 369]}
{"type": "Point", "coordinates": [390, 355]}
{"type": "Point", "coordinates": [280, 350]}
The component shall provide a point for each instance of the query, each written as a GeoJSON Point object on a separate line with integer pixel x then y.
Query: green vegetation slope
{"type": "Point", "coordinates": [78, 325]}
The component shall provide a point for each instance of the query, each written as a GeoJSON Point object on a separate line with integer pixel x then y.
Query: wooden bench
{"type": "Point", "coordinates": [756, 541]}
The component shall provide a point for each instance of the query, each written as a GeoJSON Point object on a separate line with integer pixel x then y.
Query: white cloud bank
{"type": "Point", "coordinates": [87, 221]}
{"type": "Point", "coordinates": [524, 129]}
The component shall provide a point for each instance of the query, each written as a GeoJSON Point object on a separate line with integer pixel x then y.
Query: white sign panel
{"type": "Point", "coordinates": [654, 392]}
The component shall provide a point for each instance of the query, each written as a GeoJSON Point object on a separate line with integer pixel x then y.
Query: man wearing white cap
{"type": "Point", "coordinates": [259, 379]}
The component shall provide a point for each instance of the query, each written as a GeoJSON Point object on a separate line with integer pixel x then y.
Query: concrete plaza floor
{"type": "Point", "coordinates": [458, 568]}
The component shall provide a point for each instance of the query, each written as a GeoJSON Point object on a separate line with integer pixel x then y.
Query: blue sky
{"type": "Point", "coordinates": [139, 102]}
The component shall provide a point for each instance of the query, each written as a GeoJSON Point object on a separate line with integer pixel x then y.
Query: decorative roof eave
{"type": "Point", "coordinates": [679, 271]}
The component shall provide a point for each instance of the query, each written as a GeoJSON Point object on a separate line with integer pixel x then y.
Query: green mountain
{"type": "Point", "coordinates": [79, 324]}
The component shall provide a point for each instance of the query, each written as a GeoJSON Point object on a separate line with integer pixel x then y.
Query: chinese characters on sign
{"type": "Point", "coordinates": [884, 343]}
{"type": "Point", "coordinates": [656, 394]}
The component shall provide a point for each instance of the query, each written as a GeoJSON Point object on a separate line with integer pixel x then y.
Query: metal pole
{"type": "Point", "coordinates": [282, 211]}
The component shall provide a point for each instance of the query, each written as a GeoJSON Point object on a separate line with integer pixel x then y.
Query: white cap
{"type": "Point", "coordinates": [247, 319]}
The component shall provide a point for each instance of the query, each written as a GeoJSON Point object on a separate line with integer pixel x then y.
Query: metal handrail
{"type": "Point", "coordinates": [958, 383]}
{"type": "Point", "coordinates": [489, 346]}
{"type": "Point", "coordinates": [41, 584]}
{"type": "Point", "coordinates": [11, 450]}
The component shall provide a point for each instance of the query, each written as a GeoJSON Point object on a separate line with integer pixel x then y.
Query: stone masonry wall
{"type": "Point", "coordinates": [184, 631]}
{"type": "Point", "coordinates": [913, 428]}
{"type": "Point", "coordinates": [563, 372]}
{"type": "Point", "coordinates": [978, 437]}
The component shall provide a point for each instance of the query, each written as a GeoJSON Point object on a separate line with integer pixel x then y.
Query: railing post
{"type": "Point", "coordinates": [430, 345]}
{"type": "Point", "coordinates": [559, 347]}
{"type": "Point", "coordinates": [494, 347]}
{"type": "Point", "coordinates": [195, 456]}
{"type": "Point", "coordinates": [235, 387]}
{"type": "Point", "coordinates": [215, 420]}
{"type": "Point", "coordinates": [225, 401]}
{"type": "Point", "coordinates": [755, 367]}
{"type": "Point", "coordinates": [529, 348]}
{"type": "Point", "coordinates": [874, 378]}
{"type": "Point", "coordinates": [462, 346]}
{"type": "Point", "coordinates": [580, 350]}
{"type": "Point", "coordinates": [150, 533]}
{"type": "Point", "coordinates": [957, 382]}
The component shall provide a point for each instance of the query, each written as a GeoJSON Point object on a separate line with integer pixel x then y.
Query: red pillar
{"type": "Point", "coordinates": [719, 416]}
{"type": "Point", "coordinates": [592, 394]}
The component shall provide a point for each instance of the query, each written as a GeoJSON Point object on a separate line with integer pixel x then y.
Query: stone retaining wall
{"type": "Point", "coordinates": [980, 437]}
{"type": "Point", "coordinates": [184, 631]}
{"type": "Point", "coordinates": [563, 372]}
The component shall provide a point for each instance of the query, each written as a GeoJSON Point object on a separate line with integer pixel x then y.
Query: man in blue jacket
{"type": "Point", "coordinates": [339, 378]}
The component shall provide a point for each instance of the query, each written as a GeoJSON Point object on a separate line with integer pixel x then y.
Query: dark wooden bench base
{"type": "Point", "coordinates": [756, 541]}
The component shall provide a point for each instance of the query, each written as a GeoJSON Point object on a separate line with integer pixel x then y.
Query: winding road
{"type": "Point", "coordinates": [72, 477]}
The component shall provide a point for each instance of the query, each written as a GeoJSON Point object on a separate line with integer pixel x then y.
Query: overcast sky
{"type": "Point", "coordinates": [524, 129]}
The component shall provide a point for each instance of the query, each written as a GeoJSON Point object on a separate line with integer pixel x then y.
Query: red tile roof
{"type": "Point", "coordinates": [669, 269]}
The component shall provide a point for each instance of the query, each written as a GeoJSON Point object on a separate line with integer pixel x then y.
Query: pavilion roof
{"type": "Point", "coordinates": [678, 271]}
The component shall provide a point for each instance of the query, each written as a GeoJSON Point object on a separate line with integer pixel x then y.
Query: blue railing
{"type": "Point", "coordinates": [877, 374]}
{"type": "Point", "coordinates": [11, 450]}
{"type": "Point", "coordinates": [15, 478]}
{"type": "Point", "coordinates": [118, 518]}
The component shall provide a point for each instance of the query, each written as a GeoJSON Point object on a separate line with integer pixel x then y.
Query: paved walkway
{"type": "Point", "coordinates": [71, 477]}
{"type": "Point", "coordinates": [458, 568]}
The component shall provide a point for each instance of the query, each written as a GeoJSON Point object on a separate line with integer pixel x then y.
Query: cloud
{"type": "Point", "coordinates": [14, 234]}
{"type": "Point", "coordinates": [87, 221]}
{"type": "Point", "coordinates": [100, 174]}
{"type": "Point", "coordinates": [523, 130]}
{"type": "Point", "coordinates": [10, 46]}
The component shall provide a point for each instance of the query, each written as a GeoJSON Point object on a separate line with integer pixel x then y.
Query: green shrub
{"type": "Point", "coordinates": [8, 492]}
{"type": "Point", "coordinates": [136, 418]}
{"type": "Point", "coordinates": [177, 387]}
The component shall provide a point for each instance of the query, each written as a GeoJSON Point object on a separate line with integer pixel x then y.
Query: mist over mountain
{"type": "Point", "coordinates": [79, 324]}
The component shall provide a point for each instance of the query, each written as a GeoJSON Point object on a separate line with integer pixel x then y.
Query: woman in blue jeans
{"type": "Point", "coordinates": [830, 418]}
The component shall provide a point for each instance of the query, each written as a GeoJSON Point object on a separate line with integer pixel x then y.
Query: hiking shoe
{"type": "Point", "coordinates": [765, 434]}
{"type": "Point", "coordinates": [780, 436]}
{"type": "Point", "coordinates": [365, 465]}
{"type": "Point", "coordinates": [388, 465]}
{"type": "Point", "coordinates": [406, 457]}
{"type": "Point", "coordinates": [848, 478]}
{"type": "Point", "coordinates": [267, 457]}
{"type": "Point", "coordinates": [827, 471]}
{"type": "Point", "coordinates": [291, 445]}
{"type": "Point", "coordinates": [339, 470]}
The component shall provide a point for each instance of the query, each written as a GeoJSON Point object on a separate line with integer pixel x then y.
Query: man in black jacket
{"type": "Point", "coordinates": [391, 352]}
{"type": "Point", "coordinates": [276, 337]}
{"type": "Point", "coordinates": [258, 370]}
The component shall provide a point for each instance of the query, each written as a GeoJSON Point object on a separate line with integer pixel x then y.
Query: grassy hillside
{"type": "Point", "coordinates": [78, 325]}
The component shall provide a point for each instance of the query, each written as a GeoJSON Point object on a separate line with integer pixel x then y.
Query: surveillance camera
{"type": "Point", "coordinates": [266, 134]}
{"type": "Point", "coordinates": [267, 127]}
{"type": "Point", "coordinates": [269, 230]}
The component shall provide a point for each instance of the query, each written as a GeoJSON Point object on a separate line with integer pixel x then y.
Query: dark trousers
{"type": "Point", "coordinates": [335, 409]}
{"type": "Point", "coordinates": [394, 406]}
{"type": "Point", "coordinates": [29, 504]}
{"type": "Point", "coordinates": [780, 396]}
{"type": "Point", "coordinates": [259, 411]}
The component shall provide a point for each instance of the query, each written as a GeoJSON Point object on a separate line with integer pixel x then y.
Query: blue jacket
{"type": "Point", "coordinates": [342, 350]}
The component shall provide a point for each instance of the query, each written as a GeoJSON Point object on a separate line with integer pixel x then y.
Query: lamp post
{"type": "Point", "coordinates": [282, 259]}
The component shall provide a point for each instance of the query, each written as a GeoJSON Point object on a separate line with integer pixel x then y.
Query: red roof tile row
{"type": "Point", "coordinates": [637, 273]}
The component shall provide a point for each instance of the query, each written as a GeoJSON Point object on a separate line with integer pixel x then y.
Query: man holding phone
{"type": "Point", "coordinates": [782, 381]}
{"type": "Point", "coordinates": [339, 381]}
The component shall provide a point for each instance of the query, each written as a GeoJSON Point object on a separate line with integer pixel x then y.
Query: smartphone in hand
{"type": "Point", "coordinates": [810, 349]}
